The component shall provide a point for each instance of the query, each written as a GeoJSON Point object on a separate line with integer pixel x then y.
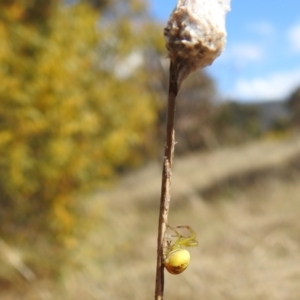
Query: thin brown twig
{"type": "Point", "coordinates": [166, 179]}
{"type": "Point", "coordinates": [195, 36]}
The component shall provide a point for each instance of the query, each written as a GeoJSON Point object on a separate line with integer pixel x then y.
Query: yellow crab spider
{"type": "Point", "coordinates": [178, 259]}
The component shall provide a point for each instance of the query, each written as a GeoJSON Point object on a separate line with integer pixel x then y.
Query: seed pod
{"type": "Point", "coordinates": [195, 34]}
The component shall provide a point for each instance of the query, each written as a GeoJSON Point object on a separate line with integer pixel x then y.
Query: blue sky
{"type": "Point", "coordinates": [262, 57]}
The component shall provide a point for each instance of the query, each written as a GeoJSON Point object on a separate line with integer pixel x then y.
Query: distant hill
{"type": "Point", "coordinates": [271, 112]}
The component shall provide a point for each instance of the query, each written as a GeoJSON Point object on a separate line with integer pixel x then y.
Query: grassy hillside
{"type": "Point", "coordinates": [244, 204]}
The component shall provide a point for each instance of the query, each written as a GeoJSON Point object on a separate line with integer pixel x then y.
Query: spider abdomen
{"type": "Point", "coordinates": [177, 261]}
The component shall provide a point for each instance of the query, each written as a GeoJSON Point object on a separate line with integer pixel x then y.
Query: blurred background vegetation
{"type": "Point", "coordinates": [82, 89]}
{"type": "Point", "coordinates": [73, 111]}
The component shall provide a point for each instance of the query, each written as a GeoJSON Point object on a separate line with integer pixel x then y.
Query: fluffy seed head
{"type": "Point", "coordinates": [195, 34]}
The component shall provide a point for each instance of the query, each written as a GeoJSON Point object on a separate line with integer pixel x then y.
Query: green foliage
{"type": "Point", "coordinates": [34, 12]}
{"type": "Point", "coordinates": [67, 119]}
{"type": "Point", "coordinates": [236, 123]}
{"type": "Point", "coordinates": [293, 103]}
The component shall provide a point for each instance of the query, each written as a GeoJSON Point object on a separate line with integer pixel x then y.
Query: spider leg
{"type": "Point", "coordinates": [173, 229]}
{"type": "Point", "coordinates": [193, 233]}
{"type": "Point", "coordinates": [189, 241]}
{"type": "Point", "coordinates": [181, 240]}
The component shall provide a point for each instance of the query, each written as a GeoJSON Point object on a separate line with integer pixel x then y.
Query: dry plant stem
{"type": "Point", "coordinates": [166, 180]}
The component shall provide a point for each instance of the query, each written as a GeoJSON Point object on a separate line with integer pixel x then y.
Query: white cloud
{"type": "Point", "coordinates": [276, 86]}
{"type": "Point", "coordinates": [240, 55]}
{"type": "Point", "coordinates": [263, 28]}
{"type": "Point", "coordinates": [247, 52]}
{"type": "Point", "coordinates": [294, 37]}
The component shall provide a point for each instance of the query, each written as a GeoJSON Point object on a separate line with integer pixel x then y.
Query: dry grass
{"type": "Point", "coordinates": [244, 204]}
